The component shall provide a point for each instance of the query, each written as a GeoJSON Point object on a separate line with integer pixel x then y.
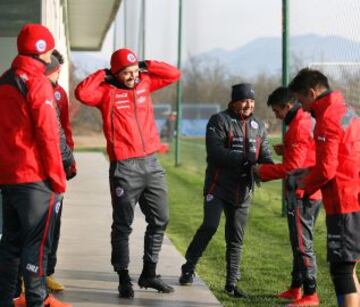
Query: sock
{"type": "Point", "coordinates": [309, 286]}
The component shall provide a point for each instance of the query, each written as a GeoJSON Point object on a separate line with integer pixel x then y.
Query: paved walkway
{"type": "Point", "coordinates": [84, 252]}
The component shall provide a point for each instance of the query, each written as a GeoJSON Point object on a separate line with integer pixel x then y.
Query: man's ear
{"type": "Point", "coordinates": [313, 93]}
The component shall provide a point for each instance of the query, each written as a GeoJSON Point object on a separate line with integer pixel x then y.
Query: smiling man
{"type": "Point", "coordinates": [122, 94]}
{"type": "Point", "coordinates": [298, 151]}
{"type": "Point", "coordinates": [235, 141]}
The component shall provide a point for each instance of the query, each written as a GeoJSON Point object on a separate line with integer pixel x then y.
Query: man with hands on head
{"type": "Point", "coordinates": [298, 151]}
{"type": "Point", "coordinates": [122, 94]}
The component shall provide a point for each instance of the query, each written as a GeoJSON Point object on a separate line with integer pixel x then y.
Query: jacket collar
{"type": "Point", "coordinates": [292, 113]}
{"type": "Point", "coordinates": [322, 102]}
{"type": "Point", "coordinates": [29, 64]}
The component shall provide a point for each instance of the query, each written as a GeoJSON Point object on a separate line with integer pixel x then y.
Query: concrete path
{"type": "Point", "coordinates": [84, 252]}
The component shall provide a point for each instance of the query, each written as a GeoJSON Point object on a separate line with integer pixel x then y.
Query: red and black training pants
{"type": "Point", "coordinates": [29, 214]}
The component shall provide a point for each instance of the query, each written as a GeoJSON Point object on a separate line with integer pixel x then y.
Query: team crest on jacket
{"type": "Point", "coordinates": [119, 191]}
{"type": "Point", "coordinates": [254, 124]}
{"type": "Point", "coordinates": [40, 45]}
{"type": "Point", "coordinates": [57, 95]}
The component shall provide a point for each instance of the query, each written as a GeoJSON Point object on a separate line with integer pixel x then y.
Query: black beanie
{"type": "Point", "coordinates": [242, 91]}
{"type": "Point", "coordinates": [53, 66]}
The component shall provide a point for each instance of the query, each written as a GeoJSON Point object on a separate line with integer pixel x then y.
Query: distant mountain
{"type": "Point", "coordinates": [263, 55]}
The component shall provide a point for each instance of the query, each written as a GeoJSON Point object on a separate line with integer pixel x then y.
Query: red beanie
{"type": "Point", "coordinates": [122, 58]}
{"type": "Point", "coordinates": [34, 39]}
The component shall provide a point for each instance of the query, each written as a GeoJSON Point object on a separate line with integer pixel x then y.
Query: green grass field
{"type": "Point", "coordinates": [266, 261]}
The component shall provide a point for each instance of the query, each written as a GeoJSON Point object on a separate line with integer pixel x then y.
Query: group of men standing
{"type": "Point", "coordinates": [36, 159]}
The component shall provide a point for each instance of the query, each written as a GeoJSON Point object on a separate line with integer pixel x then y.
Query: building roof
{"type": "Point", "coordinates": [89, 21]}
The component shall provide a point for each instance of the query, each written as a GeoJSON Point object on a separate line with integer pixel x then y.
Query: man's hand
{"type": "Point", "coordinates": [300, 174]}
{"type": "Point", "coordinates": [71, 171]}
{"type": "Point", "coordinates": [279, 149]}
{"type": "Point", "coordinates": [256, 170]}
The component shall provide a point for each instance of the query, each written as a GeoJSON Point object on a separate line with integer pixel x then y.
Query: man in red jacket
{"type": "Point", "coordinates": [337, 174]}
{"type": "Point", "coordinates": [122, 94]}
{"type": "Point", "coordinates": [31, 170]}
{"type": "Point", "coordinates": [298, 151]}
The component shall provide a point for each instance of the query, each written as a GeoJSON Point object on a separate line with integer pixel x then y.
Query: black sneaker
{"type": "Point", "coordinates": [187, 277]}
{"type": "Point", "coordinates": [155, 283]}
{"type": "Point", "coordinates": [234, 291]}
{"type": "Point", "coordinates": [125, 286]}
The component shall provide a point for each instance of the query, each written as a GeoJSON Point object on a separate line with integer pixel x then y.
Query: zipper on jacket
{"type": "Point", "coordinates": [112, 119]}
{"type": "Point", "coordinates": [137, 122]}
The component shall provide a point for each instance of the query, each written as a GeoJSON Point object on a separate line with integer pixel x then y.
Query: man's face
{"type": "Point", "coordinates": [281, 111]}
{"type": "Point", "coordinates": [244, 107]}
{"type": "Point", "coordinates": [306, 99]}
{"type": "Point", "coordinates": [46, 57]}
{"type": "Point", "coordinates": [129, 76]}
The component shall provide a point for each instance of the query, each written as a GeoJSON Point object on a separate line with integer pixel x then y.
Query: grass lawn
{"type": "Point", "coordinates": [266, 261]}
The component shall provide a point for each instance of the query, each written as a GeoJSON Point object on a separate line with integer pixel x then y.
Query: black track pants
{"type": "Point", "coordinates": [52, 258]}
{"type": "Point", "coordinates": [137, 181]}
{"type": "Point", "coordinates": [29, 214]}
{"type": "Point", "coordinates": [236, 219]}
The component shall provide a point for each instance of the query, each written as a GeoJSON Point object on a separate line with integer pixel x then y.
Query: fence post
{"type": "Point", "coordinates": [178, 92]}
{"type": "Point", "coordinates": [285, 71]}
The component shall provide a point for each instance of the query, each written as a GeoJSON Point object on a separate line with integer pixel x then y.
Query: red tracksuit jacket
{"type": "Point", "coordinates": [337, 168]}
{"type": "Point", "coordinates": [128, 117]}
{"type": "Point", "coordinates": [29, 134]}
{"type": "Point", "coordinates": [62, 101]}
{"type": "Point", "coordinates": [299, 151]}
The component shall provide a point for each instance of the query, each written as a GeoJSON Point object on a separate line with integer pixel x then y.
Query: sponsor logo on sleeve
{"type": "Point", "coordinates": [50, 103]}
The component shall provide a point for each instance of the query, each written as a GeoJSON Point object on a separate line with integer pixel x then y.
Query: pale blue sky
{"type": "Point", "coordinates": [229, 24]}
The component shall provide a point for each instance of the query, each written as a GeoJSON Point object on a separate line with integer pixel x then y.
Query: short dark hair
{"type": "Point", "coordinates": [58, 56]}
{"type": "Point", "coordinates": [308, 78]}
{"type": "Point", "coordinates": [280, 97]}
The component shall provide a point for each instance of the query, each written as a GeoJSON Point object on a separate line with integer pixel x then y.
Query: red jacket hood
{"type": "Point", "coordinates": [28, 64]}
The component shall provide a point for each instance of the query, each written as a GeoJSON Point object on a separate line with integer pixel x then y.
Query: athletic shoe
{"type": "Point", "coordinates": [234, 291]}
{"type": "Point", "coordinates": [53, 285]}
{"type": "Point", "coordinates": [125, 285]}
{"type": "Point", "coordinates": [20, 301]}
{"type": "Point", "coordinates": [187, 277]}
{"type": "Point", "coordinates": [306, 300]}
{"type": "Point", "coordinates": [293, 294]}
{"type": "Point", "coordinates": [155, 283]}
{"type": "Point", "coordinates": [50, 301]}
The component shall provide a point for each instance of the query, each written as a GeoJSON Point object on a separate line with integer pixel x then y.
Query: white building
{"type": "Point", "coordinates": [75, 24]}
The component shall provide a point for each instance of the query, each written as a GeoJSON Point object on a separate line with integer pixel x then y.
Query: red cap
{"type": "Point", "coordinates": [121, 59]}
{"type": "Point", "coordinates": [35, 39]}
